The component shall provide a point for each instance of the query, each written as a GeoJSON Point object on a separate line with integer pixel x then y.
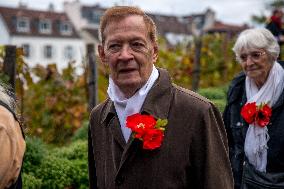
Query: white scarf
{"type": "Point", "coordinates": [257, 137]}
{"type": "Point", "coordinates": [125, 107]}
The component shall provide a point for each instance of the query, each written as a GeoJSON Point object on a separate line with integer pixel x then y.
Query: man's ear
{"type": "Point", "coordinates": [155, 52]}
{"type": "Point", "coordinates": [102, 54]}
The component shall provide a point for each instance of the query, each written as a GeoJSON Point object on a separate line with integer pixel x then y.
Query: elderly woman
{"type": "Point", "coordinates": [12, 143]}
{"type": "Point", "coordinates": [254, 115]}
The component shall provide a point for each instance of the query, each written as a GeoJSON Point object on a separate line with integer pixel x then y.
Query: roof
{"type": "Point", "coordinates": [10, 16]}
{"type": "Point", "coordinates": [96, 7]}
{"type": "Point", "coordinates": [170, 24]}
{"type": "Point", "coordinates": [93, 32]}
{"type": "Point", "coordinates": [222, 27]}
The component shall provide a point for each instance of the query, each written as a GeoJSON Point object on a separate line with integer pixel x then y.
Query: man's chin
{"type": "Point", "coordinates": [130, 86]}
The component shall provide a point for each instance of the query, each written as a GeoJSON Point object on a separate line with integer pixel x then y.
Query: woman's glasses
{"type": "Point", "coordinates": [254, 55]}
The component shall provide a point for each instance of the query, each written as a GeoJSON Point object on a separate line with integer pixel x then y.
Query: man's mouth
{"type": "Point", "coordinates": [127, 70]}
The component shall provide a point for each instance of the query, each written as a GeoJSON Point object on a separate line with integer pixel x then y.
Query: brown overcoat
{"type": "Point", "coordinates": [193, 154]}
{"type": "Point", "coordinates": [12, 147]}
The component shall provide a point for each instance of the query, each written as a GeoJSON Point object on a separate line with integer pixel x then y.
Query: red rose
{"type": "Point", "coordinates": [139, 123]}
{"type": "Point", "coordinates": [248, 112]}
{"type": "Point", "coordinates": [147, 129]}
{"type": "Point", "coordinates": [263, 115]}
{"type": "Point", "coordinates": [153, 139]}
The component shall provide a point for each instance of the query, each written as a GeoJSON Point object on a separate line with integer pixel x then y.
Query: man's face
{"type": "Point", "coordinates": [129, 53]}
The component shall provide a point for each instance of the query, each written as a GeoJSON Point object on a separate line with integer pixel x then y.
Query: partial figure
{"type": "Point", "coordinates": [12, 143]}
{"type": "Point", "coordinates": [274, 25]}
{"type": "Point", "coordinates": [150, 133]}
{"type": "Point", "coordinates": [254, 115]}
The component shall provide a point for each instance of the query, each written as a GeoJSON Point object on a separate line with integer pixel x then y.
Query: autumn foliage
{"type": "Point", "coordinates": [54, 103]}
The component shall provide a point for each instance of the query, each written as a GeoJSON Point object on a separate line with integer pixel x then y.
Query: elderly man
{"type": "Point", "coordinates": [150, 133]}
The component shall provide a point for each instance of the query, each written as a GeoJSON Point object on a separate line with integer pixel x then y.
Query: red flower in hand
{"type": "Point", "coordinates": [147, 129]}
{"type": "Point", "coordinates": [248, 112]}
{"type": "Point", "coordinates": [263, 116]}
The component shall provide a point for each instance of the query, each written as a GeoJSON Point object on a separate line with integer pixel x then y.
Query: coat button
{"type": "Point", "coordinates": [119, 180]}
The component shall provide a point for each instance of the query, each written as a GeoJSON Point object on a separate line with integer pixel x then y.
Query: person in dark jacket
{"type": "Point", "coordinates": [150, 133]}
{"type": "Point", "coordinates": [274, 24]}
{"type": "Point", "coordinates": [254, 114]}
{"type": "Point", "coordinates": [12, 143]}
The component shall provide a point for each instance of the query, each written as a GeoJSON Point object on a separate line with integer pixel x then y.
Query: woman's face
{"type": "Point", "coordinates": [256, 64]}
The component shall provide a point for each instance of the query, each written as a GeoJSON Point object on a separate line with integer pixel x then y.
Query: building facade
{"type": "Point", "coordinates": [175, 29]}
{"type": "Point", "coordinates": [45, 36]}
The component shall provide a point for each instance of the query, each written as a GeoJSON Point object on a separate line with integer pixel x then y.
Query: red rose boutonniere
{"type": "Point", "coordinates": [259, 115]}
{"type": "Point", "coordinates": [147, 129]}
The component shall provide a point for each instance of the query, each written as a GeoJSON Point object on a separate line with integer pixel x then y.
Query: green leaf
{"type": "Point", "coordinates": [161, 123]}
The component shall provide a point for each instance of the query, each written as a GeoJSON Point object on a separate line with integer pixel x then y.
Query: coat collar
{"type": "Point", "coordinates": [157, 102]}
{"type": "Point", "coordinates": [237, 88]}
{"type": "Point", "coordinates": [280, 101]}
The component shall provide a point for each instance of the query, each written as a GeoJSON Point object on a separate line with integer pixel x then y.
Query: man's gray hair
{"type": "Point", "coordinates": [257, 38]}
{"type": "Point", "coordinates": [6, 98]}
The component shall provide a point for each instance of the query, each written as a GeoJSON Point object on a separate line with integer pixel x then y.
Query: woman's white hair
{"type": "Point", "coordinates": [257, 38]}
{"type": "Point", "coordinates": [6, 98]}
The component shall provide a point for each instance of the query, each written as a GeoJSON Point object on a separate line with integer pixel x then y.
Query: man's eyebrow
{"type": "Point", "coordinates": [113, 41]}
{"type": "Point", "coordinates": [121, 40]}
{"type": "Point", "coordinates": [138, 39]}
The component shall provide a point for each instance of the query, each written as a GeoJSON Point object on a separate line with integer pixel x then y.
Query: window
{"type": "Point", "coordinates": [198, 21]}
{"type": "Point", "coordinates": [65, 28]}
{"type": "Point", "coordinates": [45, 26]}
{"type": "Point", "coordinates": [96, 17]}
{"type": "Point", "coordinates": [69, 53]}
{"type": "Point", "coordinates": [26, 49]}
{"type": "Point", "coordinates": [23, 24]}
{"type": "Point", "coordinates": [47, 51]}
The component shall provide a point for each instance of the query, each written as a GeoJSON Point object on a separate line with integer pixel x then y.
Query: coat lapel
{"type": "Point", "coordinates": [110, 120]}
{"type": "Point", "coordinates": [128, 150]}
{"type": "Point", "coordinates": [157, 104]}
{"type": "Point", "coordinates": [115, 129]}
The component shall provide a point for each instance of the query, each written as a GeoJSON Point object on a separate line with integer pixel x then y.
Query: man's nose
{"type": "Point", "coordinates": [125, 53]}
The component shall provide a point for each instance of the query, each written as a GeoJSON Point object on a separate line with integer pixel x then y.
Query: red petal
{"type": "Point", "coordinates": [249, 112]}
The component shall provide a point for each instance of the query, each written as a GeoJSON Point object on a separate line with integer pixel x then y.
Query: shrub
{"type": "Point", "coordinates": [76, 150]}
{"type": "Point", "coordinates": [34, 155]}
{"type": "Point", "coordinates": [76, 153]}
{"type": "Point", "coordinates": [213, 93]}
{"type": "Point", "coordinates": [81, 133]}
{"type": "Point", "coordinates": [55, 106]}
{"type": "Point", "coordinates": [56, 172]}
{"type": "Point", "coordinates": [80, 180]}
{"type": "Point", "coordinates": [220, 104]}
{"type": "Point", "coordinates": [31, 182]}
{"type": "Point", "coordinates": [59, 167]}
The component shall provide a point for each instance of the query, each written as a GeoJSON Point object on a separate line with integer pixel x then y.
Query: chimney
{"type": "Point", "coordinates": [23, 5]}
{"type": "Point", "coordinates": [51, 7]}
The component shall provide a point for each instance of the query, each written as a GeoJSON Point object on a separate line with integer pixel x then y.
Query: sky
{"type": "Point", "coordinates": [228, 11]}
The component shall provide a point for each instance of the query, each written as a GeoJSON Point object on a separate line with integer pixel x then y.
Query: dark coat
{"type": "Point", "coordinates": [236, 129]}
{"type": "Point", "coordinates": [274, 29]}
{"type": "Point", "coordinates": [193, 154]}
